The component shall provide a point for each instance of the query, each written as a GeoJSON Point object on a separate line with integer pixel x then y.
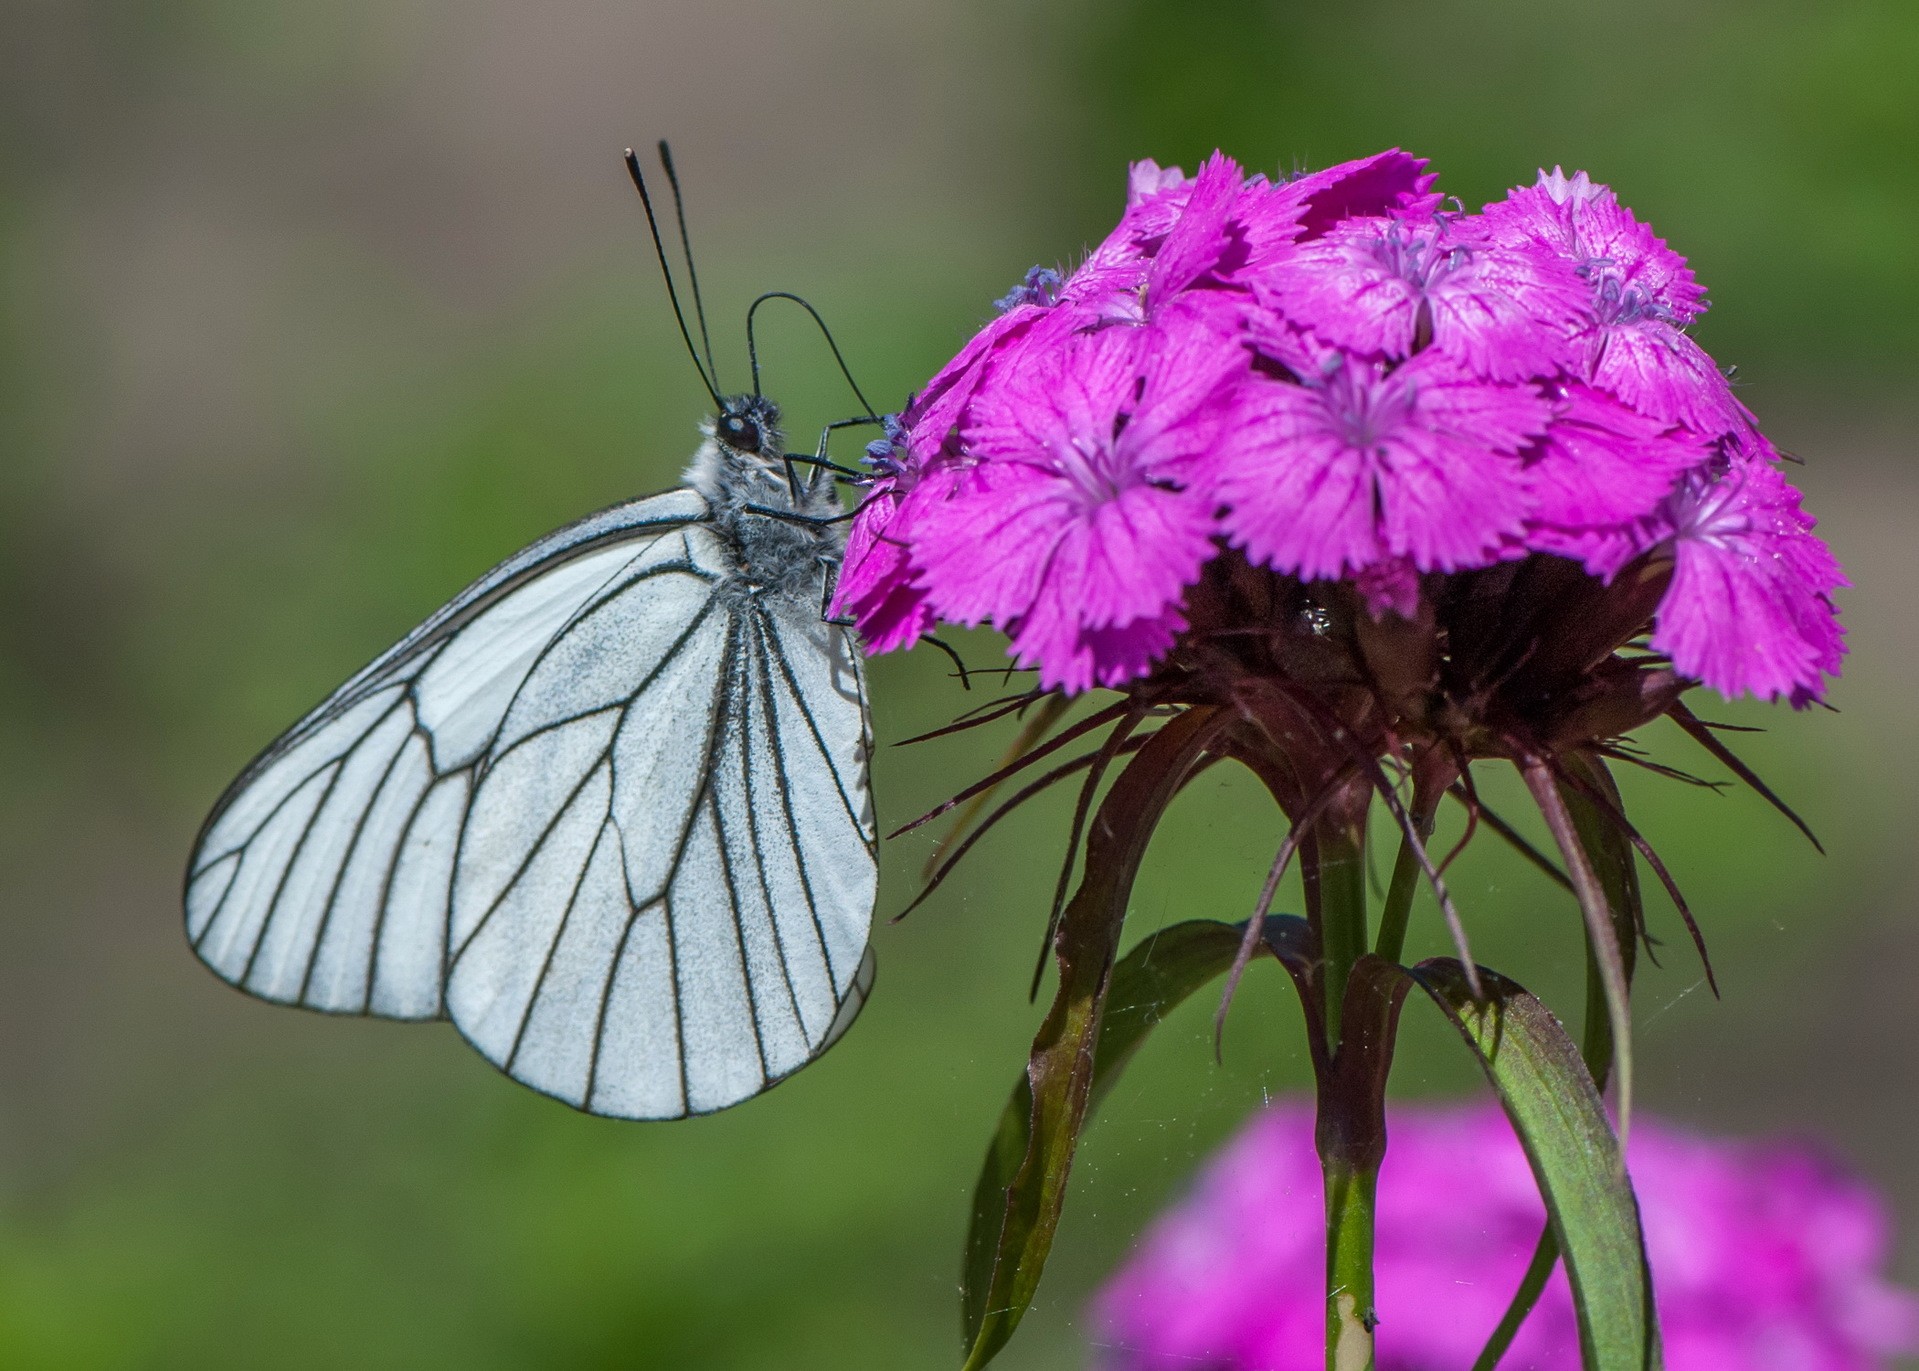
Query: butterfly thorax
{"type": "Point", "coordinates": [762, 503]}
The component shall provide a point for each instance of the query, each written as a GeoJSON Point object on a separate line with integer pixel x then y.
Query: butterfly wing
{"type": "Point", "coordinates": [323, 876]}
{"type": "Point", "coordinates": [607, 810]}
{"type": "Point", "coordinates": [665, 887]}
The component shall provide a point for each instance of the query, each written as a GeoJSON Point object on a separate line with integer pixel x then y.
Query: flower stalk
{"type": "Point", "coordinates": [1336, 905]}
{"type": "Point", "coordinates": [1351, 1197]}
{"type": "Point", "coordinates": [1396, 913]}
{"type": "Point", "coordinates": [1327, 478]}
{"type": "Point", "coordinates": [1352, 1132]}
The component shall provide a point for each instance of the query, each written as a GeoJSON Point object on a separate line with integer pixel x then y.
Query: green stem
{"type": "Point", "coordinates": [1399, 902]}
{"type": "Point", "coordinates": [1342, 917]}
{"type": "Point", "coordinates": [1433, 776]}
{"type": "Point", "coordinates": [1351, 1124]}
{"type": "Point", "coordinates": [1349, 1266]}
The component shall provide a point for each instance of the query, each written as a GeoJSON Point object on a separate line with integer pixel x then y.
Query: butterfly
{"type": "Point", "coordinates": [606, 810]}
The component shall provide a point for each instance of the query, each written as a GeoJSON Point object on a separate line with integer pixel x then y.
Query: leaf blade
{"type": "Point", "coordinates": [1004, 1259]}
{"type": "Point", "coordinates": [1548, 1094]}
{"type": "Point", "coordinates": [1159, 973]}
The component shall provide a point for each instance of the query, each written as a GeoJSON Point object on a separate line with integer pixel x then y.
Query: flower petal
{"type": "Point", "coordinates": [1377, 285]}
{"type": "Point", "coordinates": [1198, 240]}
{"type": "Point", "coordinates": [1750, 607]}
{"type": "Point", "coordinates": [1602, 463]}
{"type": "Point", "coordinates": [1660, 371]}
{"type": "Point", "coordinates": [1358, 464]}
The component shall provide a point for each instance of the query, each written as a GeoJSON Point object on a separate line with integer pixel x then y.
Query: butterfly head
{"type": "Point", "coordinates": [743, 460]}
{"type": "Point", "coordinates": [749, 426]}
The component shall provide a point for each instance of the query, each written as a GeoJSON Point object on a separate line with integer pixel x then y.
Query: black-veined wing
{"type": "Point", "coordinates": [320, 878]}
{"type": "Point", "coordinates": [666, 884]}
{"type": "Point", "coordinates": [616, 795]}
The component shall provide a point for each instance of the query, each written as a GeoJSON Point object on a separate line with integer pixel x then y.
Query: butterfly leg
{"type": "Point", "coordinates": [821, 462]}
{"type": "Point", "coordinates": [847, 621]}
{"type": "Point", "coordinates": [787, 516]}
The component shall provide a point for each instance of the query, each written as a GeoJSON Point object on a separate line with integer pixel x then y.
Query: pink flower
{"type": "Point", "coordinates": [1387, 286]}
{"type": "Point", "coordinates": [1389, 182]}
{"type": "Point", "coordinates": [1332, 379]}
{"type": "Point", "coordinates": [1165, 242]}
{"type": "Point", "coordinates": [1148, 180]}
{"type": "Point", "coordinates": [1763, 1256]}
{"type": "Point", "coordinates": [1750, 608]}
{"type": "Point", "coordinates": [1359, 462]}
{"type": "Point", "coordinates": [1199, 240]}
{"type": "Point", "coordinates": [1641, 295]}
{"type": "Point", "coordinates": [1599, 466]}
{"type": "Point", "coordinates": [930, 419]}
{"type": "Point", "coordinates": [1275, 215]}
{"type": "Point", "coordinates": [876, 585]}
{"type": "Point", "coordinates": [1074, 529]}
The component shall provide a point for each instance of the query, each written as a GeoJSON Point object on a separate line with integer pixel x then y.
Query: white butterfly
{"type": "Point", "coordinates": [606, 810]}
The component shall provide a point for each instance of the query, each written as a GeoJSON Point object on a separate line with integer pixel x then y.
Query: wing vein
{"type": "Point", "coordinates": [783, 786]}
{"type": "Point", "coordinates": [606, 591]}
{"type": "Point", "coordinates": [819, 741]}
{"type": "Point", "coordinates": [665, 898]}
{"type": "Point", "coordinates": [624, 706]}
{"type": "Point", "coordinates": [346, 859]}
{"type": "Point", "coordinates": [559, 932]}
{"type": "Point", "coordinates": [339, 766]}
{"type": "Point", "coordinates": [532, 853]}
{"type": "Point", "coordinates": [753, 835]}
{"type": "Point", "coordinates": [392, 867]}
{"type": "Point", "coordinates": [739, 933]}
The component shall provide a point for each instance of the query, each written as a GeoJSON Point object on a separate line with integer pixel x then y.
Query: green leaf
{"type": "Point", "coordinates": [1152, 980]}
{"type": "Point", "coordinates": [1611, 854]}
{"type": "Point", "coordinates": [1022, 1190]}
{"type": "Point", "coordinates": [1607, 948]}
{"type": "Point", "coordinates": [1555, 1109]}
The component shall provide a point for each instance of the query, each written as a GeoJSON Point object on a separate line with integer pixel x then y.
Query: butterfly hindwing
{"type": "Point", "coordinates": [647, 925]}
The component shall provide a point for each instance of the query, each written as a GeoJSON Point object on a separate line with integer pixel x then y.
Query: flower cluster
{"type": "Point", "coordinates": [1337, 379]}
{"type": "Point", "coordinates": [1762, 1256]}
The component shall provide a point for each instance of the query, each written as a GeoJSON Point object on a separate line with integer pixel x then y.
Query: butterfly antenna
{"type": "Point", "coordinates": [666, 271]}
{"type": "Point", "coordinates": [753, 353]}
{"type": "Point", "coordinates": [686, 250]}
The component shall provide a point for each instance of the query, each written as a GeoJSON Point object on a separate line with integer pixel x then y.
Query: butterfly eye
{"type": "Point", "coordinates": [741, 434]}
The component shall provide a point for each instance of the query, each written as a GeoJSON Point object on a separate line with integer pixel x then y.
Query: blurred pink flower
{"type": "Point", "coordinates": [1765, 1256]}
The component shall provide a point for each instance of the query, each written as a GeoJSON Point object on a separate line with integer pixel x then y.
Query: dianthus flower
{"type": "Point", "coordinates": [1323, 477]}
{"type": "Point", "coordinates": [1373, 382]}
{"type": "Point", "coordinates": [1763, 1255]}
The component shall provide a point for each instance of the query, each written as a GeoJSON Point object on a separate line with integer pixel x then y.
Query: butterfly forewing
{"type": "Point", "coordinates": [321, 876]}
{"type": "Point", "coordinates": [607, 810]}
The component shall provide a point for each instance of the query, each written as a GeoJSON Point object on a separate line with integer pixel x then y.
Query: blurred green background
{"type": "Point", "coordinates": [313, 312]}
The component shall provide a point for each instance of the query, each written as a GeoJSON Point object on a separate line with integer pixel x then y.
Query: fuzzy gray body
{"type": "Point", "coordinates": [778, 556]}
